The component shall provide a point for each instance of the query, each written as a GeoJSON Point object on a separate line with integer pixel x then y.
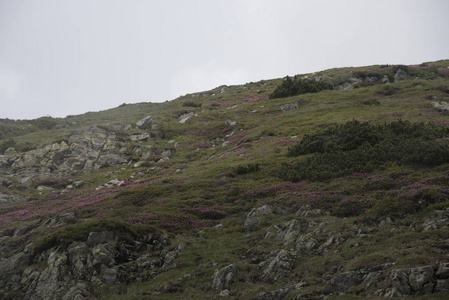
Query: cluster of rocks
{"type": "Point", "coordinates": [400, 74]}
{"type": "Point", "coordinates": [92, 148]}
{"type": "Point", "coordinates": [74, 272]}
{"type": "Point", "coordinates": [303, 235]}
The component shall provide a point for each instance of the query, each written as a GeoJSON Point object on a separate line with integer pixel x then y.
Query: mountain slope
{"type": "Point", "coordinates": [196, 203]}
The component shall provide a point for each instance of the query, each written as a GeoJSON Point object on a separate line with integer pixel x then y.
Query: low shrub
{"type": "Point", "coordinates": [394, 207]}
{"type": "Point", "coordinates": [358, 147]}
{"type": "Point", "coordinates": [245, 169]}
{"type": "Point", "coordinates": [297, 86]}
{"type": "Point", "coordinates": [191, 104]}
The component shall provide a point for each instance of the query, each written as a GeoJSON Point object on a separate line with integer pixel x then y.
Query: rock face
{"type": "Point", "coordinates": [420, 280]}
{"type": "Point", "coordinates": [104, 258]}
{"type": "Point", "coordinates": [82, 150]}
{"type": "Point", "coordinates": [145, 123]}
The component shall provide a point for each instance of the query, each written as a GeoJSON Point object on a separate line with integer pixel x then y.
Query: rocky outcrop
{"type": "Point", "coordinates": [82, 150]}
{"type": "Point", "coordinates": [104, 258]}
{"type": "Point", "coordinates": [279, 266]}
{"type": "Point", "coordinates": [183, 118]}
{"type": "Point", "coordinates": [7, 198]}
{"type": "Point", "coordinates": [146, 123]}
{"type": "Point", "coordinates": [255, 215]}
{"type": "Point", "coordinates": [419, 281]}
{"type": "Point", "coordinates": [223, 278]}
{"type": "Point", "coordinates": [440, 106]}
{"type": "Point", "coordinates": [110, 160]}
{"type": "Point", "coordinates": [401, 74]}
{"type": "Point", "coordinates": [120, 126]}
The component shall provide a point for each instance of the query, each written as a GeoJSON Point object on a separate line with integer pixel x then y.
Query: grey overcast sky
{"type": "Point", "coordinates": [67, 57]}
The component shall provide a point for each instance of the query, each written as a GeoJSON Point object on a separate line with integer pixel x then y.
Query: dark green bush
{"type": "Point", "coordinates": [394, 207]}
{"type": "Point", "coordinates": [371, 102]}
{"type": "Point", "coordinates": [7, 144]}
{"type": "Point", "coordinates": [297, 86]}
{"type": "Point", "coordinates": [191, 104]}
{"type": "Point", "coordinates": [245, 169]}
{"type": "Point", "coordinates": [360, 147]}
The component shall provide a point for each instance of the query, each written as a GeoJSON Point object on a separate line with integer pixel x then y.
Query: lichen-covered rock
{"type": "Point", "coordinates": [282, 264]}
{"type": "Point", "coordinates": [223, 278]}
{"type": "Point", "coordinates": [145, 123]}
{"type": "Point", "coordinates": [110, 160]}
{"type": "Point", "coordinates": [255, 215]}
{"type": "Point", "coordinates": [289, 106]}
{"type": "Point", "coordinates": [413, 281]}
{"type": "Point", "coordinates": [440, 106]}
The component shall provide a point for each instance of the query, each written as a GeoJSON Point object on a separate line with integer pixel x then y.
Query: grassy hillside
{"type": "Point", "coordinates": [231, 156]}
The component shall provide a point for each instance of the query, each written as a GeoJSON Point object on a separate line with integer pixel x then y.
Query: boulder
{"type": "Point", "coordinates": [413, 281]}
{"type": "Point", "coordinates": [183, 118]}
{"type": "Point", "coordinates": [145, 123]}
{"type": "Point", "coordinates": [289, 106]}
{"type": "Point", "coordinates": [440, 106]}
{"type": "Point", "coordinates": [5, 182]}
{"type": "Point", "coordinates": [400, 75]}
{"type": "Point", "coordinates": [140, 137]}
{"type": "Point", "coordinates": [120, 126]}
{"type": "Point", "coordinates": [110, 160]}
{"type": "Point", "coordinates": [223, 278]}
{"type": "Point", "coordinates": [10, 198]}
{"type": "Point", "coordinates": [255, 215]}
{"type": "Point", "coordinates": [280, 266]}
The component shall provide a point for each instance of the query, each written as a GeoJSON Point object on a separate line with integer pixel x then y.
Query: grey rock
{"type": "Point", "coordinates": [110, 275]}
{"type": "Point", "coordinates": [288, 106]}
{"type": "Point", "coordinates": [15, 264]}
{"type": "Point", "coordinates": [110, 160]}
{"type": "Point", "coordinates": [277, 294]}
{"type": "Point", "coordinates": [145, 123]}
{"type": "Point", "coordinates": [345, 280]}
{"type": "Point", "coordinates": [78, 292]}
{"type": "Point", "coordinates": [255, 215]}
{"type": "Point", "coordinates": [120, 126]}
{"type": "Point", "coordinates": [77, 259]}
{"type": "Point", "coordinates": [307, 211]}
{"type": "Point", "coordinates": [400, 75]}
{"type": "Point", "coordinates": [103, 254]}
{"type": "Point", "coordinates": [11, 198]}
{"type": "Point", "coordinates": [413, 281]}
{"type": "Point", "coordinates": [371, 79]}
{"type": "Point", "coordinates": [140, 137]}
{"type": "Point", "coordinates": [5, 182]}
{"type": "Point", "coordinates": [440, 106]}
{"type": "Point", "coordinates": [223, 278]}
{"type": "Point", "coordinates": [291, 230]}
{"type": "Point", "coordinates": [183, 118]}
{"type": "Point", "coordinates": [10, 151]}
{"type": "Point", "coordinates": [282, 264]}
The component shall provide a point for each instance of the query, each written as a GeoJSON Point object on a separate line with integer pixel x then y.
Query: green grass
{"type": "Point", "coordinates": [207, 182]}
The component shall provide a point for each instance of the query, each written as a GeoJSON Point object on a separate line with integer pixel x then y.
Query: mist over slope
{"type": "Point", "coordinates": [331, 184]}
